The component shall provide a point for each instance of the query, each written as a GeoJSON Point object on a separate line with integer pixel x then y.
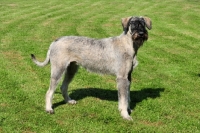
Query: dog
{"type": "Point", "coordinates": [114, 55]}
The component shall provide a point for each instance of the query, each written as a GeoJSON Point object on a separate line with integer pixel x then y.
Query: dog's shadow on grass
{"type": "Point", "coordinates": [112, 95]}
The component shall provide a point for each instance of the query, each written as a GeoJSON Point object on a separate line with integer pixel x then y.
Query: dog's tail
{"type": "Point", "coordinates": [41, 64]}
{"type": "Point", "coordinates": [47, 60]}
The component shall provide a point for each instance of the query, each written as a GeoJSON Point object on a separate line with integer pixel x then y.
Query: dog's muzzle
{"type": "Point", "coordinates": [139, 35]}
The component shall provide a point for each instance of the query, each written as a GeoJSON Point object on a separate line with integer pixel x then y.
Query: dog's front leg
{"type": "Point", "coordinates": [123, 85]}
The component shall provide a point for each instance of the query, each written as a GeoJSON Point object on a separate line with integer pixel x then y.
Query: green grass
{"type": "Point", "coordinates": [165, 91]}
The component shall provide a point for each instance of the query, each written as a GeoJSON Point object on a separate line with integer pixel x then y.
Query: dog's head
{"type": "Point", "coordinates": [136, 27]}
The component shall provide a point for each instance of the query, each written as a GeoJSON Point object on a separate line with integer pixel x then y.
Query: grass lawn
{"type": "Point", "coordinates": [165, 90]}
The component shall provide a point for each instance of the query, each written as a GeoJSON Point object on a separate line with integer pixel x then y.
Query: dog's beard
{"type": "Point", "coordinates": [139, 40]}
{"type": "Point", "coordinates": [137, 37]}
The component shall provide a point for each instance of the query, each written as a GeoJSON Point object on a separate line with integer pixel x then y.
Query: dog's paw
{"type": "Point", "coordinates": [126, 116]}
{"type": "Point", "coordinates": [71, 101]}
{"type": "Point", "coordinates": [50, 111]}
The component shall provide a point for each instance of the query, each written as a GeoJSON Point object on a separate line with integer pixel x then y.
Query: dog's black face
{"type": "Point", "coordinates": [137, 28]}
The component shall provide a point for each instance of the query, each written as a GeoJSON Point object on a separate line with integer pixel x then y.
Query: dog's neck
{"type": "Point", "coordinates": [136, 43]}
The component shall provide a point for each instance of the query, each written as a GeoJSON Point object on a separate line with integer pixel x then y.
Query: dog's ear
{"type": "Point", "coordinates": [148, 22]}
{"type": "Point", "coordinates": [125, 24]}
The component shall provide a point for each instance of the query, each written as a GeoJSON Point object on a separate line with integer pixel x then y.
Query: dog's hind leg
{"type": "Point", "coordinates": [56, 73]}
{"type": "Point", "coordinates": [69, 74]}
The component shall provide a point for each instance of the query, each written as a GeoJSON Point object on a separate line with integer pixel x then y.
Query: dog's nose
{"type": "Point", "coordinates": [141, 33]}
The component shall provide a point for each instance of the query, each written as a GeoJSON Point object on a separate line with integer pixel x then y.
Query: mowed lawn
{"type": "Point", "coordinates": [165, 89]}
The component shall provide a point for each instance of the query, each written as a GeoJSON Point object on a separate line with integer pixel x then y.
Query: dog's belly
{"type": "Point", "coordinates": [102, 66]}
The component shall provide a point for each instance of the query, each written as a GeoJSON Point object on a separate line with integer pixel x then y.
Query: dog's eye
{"type": "Point", "coordinates": [131, 22]}
{"type": "Point", "coordinates": [143, 24]}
